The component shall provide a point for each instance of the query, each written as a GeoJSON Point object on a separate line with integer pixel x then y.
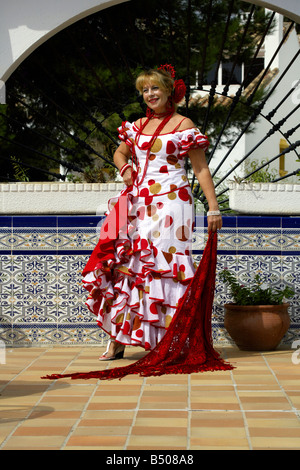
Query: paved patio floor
{"type": "Point", "coordinates": [255, 406]}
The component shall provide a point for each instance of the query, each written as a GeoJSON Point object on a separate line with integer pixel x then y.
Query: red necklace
{"type": "Point", "coordinates": [148, 145]}
{"type": "Point", "coordinates": [151, 115]}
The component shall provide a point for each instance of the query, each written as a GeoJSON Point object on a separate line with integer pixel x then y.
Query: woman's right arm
{"type": "Point", "coordinates": [121, 158]}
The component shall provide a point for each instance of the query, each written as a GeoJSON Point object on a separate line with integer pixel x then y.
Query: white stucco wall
{"type": "Point", "coordinates": [271, 147]}
{"type": "Point", "coordinates": [26, 24]}
{"type": "Point", "coordinates": [289, 8]}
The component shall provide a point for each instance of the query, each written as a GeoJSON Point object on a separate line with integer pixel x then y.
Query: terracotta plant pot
{"type": "Point", "coordinates": [257, 327]}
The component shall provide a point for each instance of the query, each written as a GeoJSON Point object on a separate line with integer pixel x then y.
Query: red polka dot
{"type": "Point", "coordinates": [144, 244]}
{"type": "Point", "coordinates": [163, 169]}
{"type": "Point", "coordinates": [126, 328]}
{"type": "Point", "coordinates": [141, 212]}
{"type": "Point", "coordinates": [150, 182]}
{"type": "Point", "coordinates": [159, 205]}
{"type": "Point", "coordinates": [183, 194]}
{"type": "Point", "coordinates": [139, 333]}
{"type": "Point", "coordinates": [168, 221]}
{"type": "Point", "coordinates": [147, 346]}
{"type": "Point", "coordinates": [171, 147]}
{"type": "Point", "coordinates": [144, 192]}
{"type": "Point", "coordinates": [182, 268]}
{"type": "Point", "coordinates": [153, 309]}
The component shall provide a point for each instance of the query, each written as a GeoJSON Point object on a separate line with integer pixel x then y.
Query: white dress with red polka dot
{"type": "Point", "coordinates": [136, 296]}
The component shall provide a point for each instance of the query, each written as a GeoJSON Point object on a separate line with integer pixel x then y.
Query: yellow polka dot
{"type": "Point", "coordinates": [180, 276]}
{"type": "Point", "coordinates": [168, 321]}
{"type": "Point", "coordinates": [177, 165]}
{"type": "Point", "coordinates": [155, 188]}
{"type": "Point", "coordinates": [172, 249]}
{"type": "Point", "coordinates": [155, 217]}
{"type": "Point", "coordinates": [156, 146]}
{"type": "Point", "coordinates": [124, 269]}
{"type": "Point", "coordinates": [120, 318]}
{"type": "Point", "coordinates": [184, 178]}
{"type": "Point", "coordinates": [156, 234]}
{"type": "Point", "coordinates": [172, 196]}
{"type": "Point", "coordinates": [137, 323]}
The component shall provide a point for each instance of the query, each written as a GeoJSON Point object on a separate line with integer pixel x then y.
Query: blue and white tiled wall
{"type": "Point", "coordinates": [42, 301]}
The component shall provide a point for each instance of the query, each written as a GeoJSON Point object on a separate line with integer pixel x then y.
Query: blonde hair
{"type": "Point", "coordinates": [160, 78]}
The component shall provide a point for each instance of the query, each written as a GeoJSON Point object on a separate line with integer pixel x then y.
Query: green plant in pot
{"type": "Point", "coordinates": [258, 318]}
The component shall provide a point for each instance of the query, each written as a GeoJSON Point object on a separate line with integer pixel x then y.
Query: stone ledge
{"type": "Point", "coordinates": [56, 198]}
{"type": "Point", "coordinates": [265, 198]}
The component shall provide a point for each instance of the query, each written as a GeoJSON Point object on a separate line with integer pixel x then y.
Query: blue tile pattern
{"type": "Point", "coordinates": [42, 301]}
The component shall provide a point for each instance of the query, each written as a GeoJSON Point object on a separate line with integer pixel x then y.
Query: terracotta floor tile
{"type": "Point", "coordinates": [167, 422]}
{"type": "Point", "coordinates": [117, 430]}
{"type": "Point", "coordinates": [219, 443]}
{"type": "Point", "coordinates": [36, 442]}
{"type": "Point", "coordinates": [162, 441]}
{"type": "Point", "coordinates": [105, 422]}
{"type": "Point", "coordinates": [275, 443]}
{"type": "Point", "coordinates": [219, 433]}
{"type": "Point", "coordinates": [97, 441]}
{"type": "Point", "coordinates": [112, 406]}
{"type": "Point", "coordinates": [42, 431]}
{"type": "Point", "coordinates": [54, 414]}
{"type": "Point", "coordinates": [273, 423]}
{"type": "Point", "coordinates": [275, 432]}
{"type": "Point", "coordinates": [161, 414]}
{"type": "Point", "coordinates": [195, 405]}
{"type": "Point", "coordinates": [158, 430]}
{"type": "Point", "coordinates": [148, 413]}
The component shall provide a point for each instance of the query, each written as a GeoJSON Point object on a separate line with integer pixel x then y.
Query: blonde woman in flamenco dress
{"type": "Point", "coordinates": [135, 295]}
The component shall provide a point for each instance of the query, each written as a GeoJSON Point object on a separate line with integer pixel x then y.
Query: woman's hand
{"type": "Point", "coordinates": [127, 177]}
{"type": "Point", "coordinates": [214, 223]}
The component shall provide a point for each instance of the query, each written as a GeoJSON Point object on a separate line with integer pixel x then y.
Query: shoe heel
{"type": "Point", "coordinates": [119, 355]}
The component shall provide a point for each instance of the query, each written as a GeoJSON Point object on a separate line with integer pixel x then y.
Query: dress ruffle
{"type": "Point", "coordinates": [126, 133]}
{"type": "Point", "coordinates": [135, 293]}
{"type": "Point", "coordinates": [188, 139]}
{"type": "Point", "coordinates": [191, 139]}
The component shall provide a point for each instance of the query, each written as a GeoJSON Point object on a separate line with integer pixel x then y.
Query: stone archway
{"type": "Point", "coordinates": [26, 25]}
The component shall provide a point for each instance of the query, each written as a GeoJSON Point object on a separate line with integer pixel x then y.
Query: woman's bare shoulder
{"type": "Point", "coordinates": [140, 122]}
{"type": "Point", "coordinates": [185, 123]}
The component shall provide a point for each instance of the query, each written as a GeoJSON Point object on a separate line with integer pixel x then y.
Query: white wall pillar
{"type": "Point", "coordinates": [272, 42]}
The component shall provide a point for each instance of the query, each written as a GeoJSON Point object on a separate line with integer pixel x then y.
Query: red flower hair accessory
{"type": "Point", "coordinates": [168, 68]}
{"type": "Point", "coordinates": [179, 90]}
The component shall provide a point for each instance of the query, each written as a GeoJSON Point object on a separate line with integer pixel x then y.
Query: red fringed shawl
{"type": "Point", "coordinates": [187, 346]}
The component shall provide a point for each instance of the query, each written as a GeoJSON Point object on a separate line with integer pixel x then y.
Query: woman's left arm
{"type": "Point", "coordinates": [203, 175]}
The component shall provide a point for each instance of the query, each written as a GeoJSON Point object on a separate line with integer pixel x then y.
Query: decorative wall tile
{"type": "Point", "coordinates": [42, 299]}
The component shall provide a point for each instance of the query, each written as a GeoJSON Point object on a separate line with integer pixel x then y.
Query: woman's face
{"type": "Point", "coordinates": [155, 97]}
